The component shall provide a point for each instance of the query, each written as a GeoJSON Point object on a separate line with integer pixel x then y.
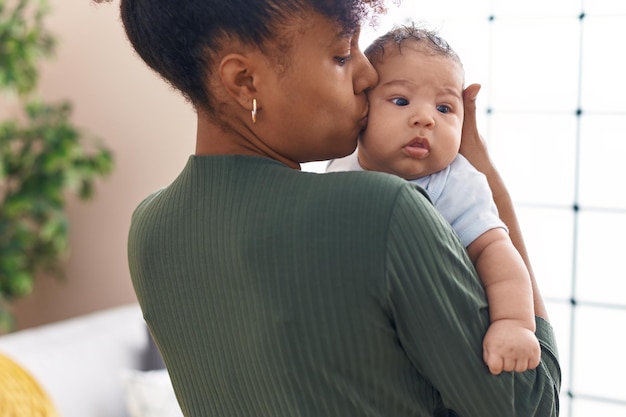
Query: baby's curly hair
{"type": "Point", "coordinates": [180, 39]}
{"type": "Point", "coordinates": [413, 32]}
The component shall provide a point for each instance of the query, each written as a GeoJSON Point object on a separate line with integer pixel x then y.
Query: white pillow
{"type": "Point", "coordinates": [150, 394]}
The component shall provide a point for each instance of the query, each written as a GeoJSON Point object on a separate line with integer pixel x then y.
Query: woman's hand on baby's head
{"type": "Point", "coordinates": [473, 146]}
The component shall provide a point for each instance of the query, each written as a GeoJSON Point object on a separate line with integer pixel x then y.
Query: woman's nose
{"type": "Point", "coordinates": [365, 76]}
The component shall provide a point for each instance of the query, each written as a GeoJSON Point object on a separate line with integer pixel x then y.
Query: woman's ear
{"type": "Point", "coordinates": [237, 72]}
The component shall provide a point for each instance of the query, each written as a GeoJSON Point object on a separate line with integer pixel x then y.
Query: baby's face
{"type": "Point", "coordinates": [416, 113]}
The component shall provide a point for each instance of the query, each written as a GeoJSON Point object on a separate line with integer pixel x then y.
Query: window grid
{"type": "Point", "coordinates": [575, 302]}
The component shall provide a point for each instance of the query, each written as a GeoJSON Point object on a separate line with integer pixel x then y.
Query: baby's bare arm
{"type": "Point", "coordinates": [473, 147]}
{"type": "Point", "coordinates": [504, 276]}
{"type": "Point", "coordinates": [510, 343]}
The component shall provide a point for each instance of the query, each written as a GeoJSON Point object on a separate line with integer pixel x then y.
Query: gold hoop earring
{"type": "Point", "coordinates": [253, 110]}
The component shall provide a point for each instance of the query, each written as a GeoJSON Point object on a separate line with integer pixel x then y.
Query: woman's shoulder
{"type": "Point", "coordinates": [371, 189]}
{"type": "Point", "coordinates": [362, 181]}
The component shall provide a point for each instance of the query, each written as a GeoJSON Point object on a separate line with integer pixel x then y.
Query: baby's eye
{"type": "Point", "coordinates": [444, 108]}
{"type": "Point", "coordinates": [400, 101]}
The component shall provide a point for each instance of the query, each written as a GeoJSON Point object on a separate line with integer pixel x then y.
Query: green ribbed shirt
{"type": "Point", "coordinates": [279, 293]}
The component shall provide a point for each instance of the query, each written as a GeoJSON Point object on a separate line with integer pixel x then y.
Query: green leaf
{"type": "Point", "coordinates": [43, 158]}
{"type": "Point", "coordinates": [20, 284]}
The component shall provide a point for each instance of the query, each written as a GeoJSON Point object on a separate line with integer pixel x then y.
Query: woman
{"type": "Point", "coordinates": [273, 292]}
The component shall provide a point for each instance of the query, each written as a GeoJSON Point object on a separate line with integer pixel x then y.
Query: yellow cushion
{"type": "Point", "coordinates": [20, 394]}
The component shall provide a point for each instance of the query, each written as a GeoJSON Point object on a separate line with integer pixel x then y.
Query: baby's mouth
{"type": "Point", "coordinates": [417, 148]}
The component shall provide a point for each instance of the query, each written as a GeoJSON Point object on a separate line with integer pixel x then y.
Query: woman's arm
{"type": "Point", "coordinates": [439, 311]}
{"type": "Point", "coordinates": [473, 147]}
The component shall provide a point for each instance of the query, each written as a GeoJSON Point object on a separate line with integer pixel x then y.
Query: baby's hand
{"type": "Point", "coordinates": [507, 346]}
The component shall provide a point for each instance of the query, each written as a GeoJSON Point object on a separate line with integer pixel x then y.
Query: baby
{"type": "Point", "coordinates": [414, 131]}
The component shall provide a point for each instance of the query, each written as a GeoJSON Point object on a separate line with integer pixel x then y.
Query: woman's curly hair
{"type": "Point", "coordinates": [179, 39]}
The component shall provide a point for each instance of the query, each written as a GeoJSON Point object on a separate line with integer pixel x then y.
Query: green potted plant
{"type": "Point", "coordinates": [43, 157]}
